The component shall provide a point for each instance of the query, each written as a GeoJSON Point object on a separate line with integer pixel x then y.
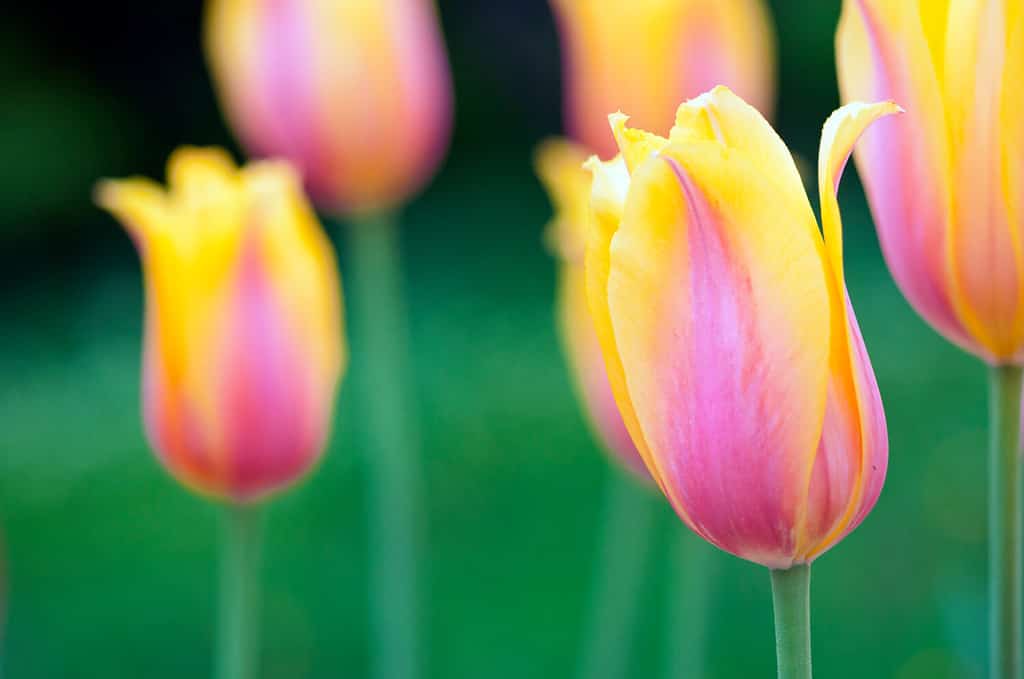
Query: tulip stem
{"type": "Point", "coordinates": [238, 653]}
{"type": "Point", "coordinates": [690, 596]}
{"type": "Point", "coordinates": [791, 593]}
{"type": "Point", "coordinates": [1005, 523]}
{"type": "Point", "coordinates": [391, 445]}
{"type": "Point", "coordinates": [618, 575]}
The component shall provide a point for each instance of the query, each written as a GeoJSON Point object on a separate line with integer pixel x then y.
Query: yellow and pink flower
{"type": "Point", "coordinates": [244, 346]}
{"type": "Point", "coordinates": [357, 94]}
{"type": "Point", "coordinates": [946, 181]}
{"type": "Point", "coordinates": [729, 339]}
{"type": "Point", "coordinates": [648, 55]}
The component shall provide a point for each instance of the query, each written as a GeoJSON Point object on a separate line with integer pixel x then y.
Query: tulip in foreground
{"type": "Point", "coordinates": [731, 345]}
{"type": "Point", "coordinates": [648, 55]}
{"type": "Point", "coordinates": [946, 187]}
{"type": "Point", "coordinates": [357, 93]}
{"type": "Point", "coordinates": [243, 345]}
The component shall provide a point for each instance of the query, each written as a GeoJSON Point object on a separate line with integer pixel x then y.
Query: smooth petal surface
{"type": "Point", "coordinates": [287, 71]}
{"type": "Point", "coordinates": [687, 46]}
{"type": "Point", "coordinates": [884, 52]}
{"type": "Point", "coordinates": [244, 345]}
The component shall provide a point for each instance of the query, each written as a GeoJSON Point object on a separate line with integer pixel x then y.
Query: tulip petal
{"type": "Point", "coordinates": [715, 303]}
{"type": "Point", "coordinates": [887, 50]}
{"type": "Point", "coordinates": [985, 251]}
{"type": "Point", "coordinates": [846, 475]}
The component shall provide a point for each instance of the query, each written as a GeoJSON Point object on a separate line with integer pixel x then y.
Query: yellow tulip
{"type": "Point", "coordinates": [646, 56]}
{"type": "Point", "coordinates": [243, 336]}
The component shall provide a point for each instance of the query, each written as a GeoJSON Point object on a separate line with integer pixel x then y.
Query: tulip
{"type": "Point", "coordinates": [946, 185]}
{"type": "Point", "coordinates": [648, 55]}
{"type": "Point", "coordinates": [730, 342]}
{"type": "Point", "coordinates": [560, 167]}
{"type": "Point", "coordinates": [357, 94]}
{"type": "Point", "coordinates": [243, 348]}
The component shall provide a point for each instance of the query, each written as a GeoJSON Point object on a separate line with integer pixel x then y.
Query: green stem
{"type": "Point", "coordinates": [691, 561]}
{"type": "Point", "coordinates": [392, 444]}
{"type": "Point", "coordinates": [238, 652]}
{"type": "Point", "coordinates": [1004, 523]}
{"type": "Point", "coordinates": [618, 576]}
{"type": "Point", "coordinates": [791, 593]}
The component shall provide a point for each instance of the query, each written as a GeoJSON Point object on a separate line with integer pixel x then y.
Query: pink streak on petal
{"type": "Point", "coordinates": [901, 179]}
{"type": "Point", "coordinates": [729, 461]}
{"type": "Point", "coordinates": [275, 425]}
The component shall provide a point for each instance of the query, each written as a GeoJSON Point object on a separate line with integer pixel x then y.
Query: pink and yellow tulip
{"type": "Point", "coordinates": [357, 94]}
{"type": "Point", "coordinates": [946, 181]}
{"type": "Point", "coordinates": [648, 55]}
{"type": "Point", "coordinates": [243, 335]}
{"type": "Point", "coordinates": [731, 345]}
{"type": "Point", "coordinates": [560, 167]}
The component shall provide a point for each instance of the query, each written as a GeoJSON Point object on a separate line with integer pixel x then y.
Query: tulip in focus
{"type": "Point", "coordinates": [357, 93]}
{"type": "Point", "coordinates": [648, 55]}
{"type": "Point", "coordinates": [731, 345]}
{"type": "Point", "coordinates": [243, 334]}
{"type": "Point", "coordinates": [560, 167]}
{"type": "Point", "coordinates": [946, 181]}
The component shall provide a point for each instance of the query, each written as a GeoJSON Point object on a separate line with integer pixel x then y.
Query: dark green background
{"type": "Point", "coordinates": [112, 566]}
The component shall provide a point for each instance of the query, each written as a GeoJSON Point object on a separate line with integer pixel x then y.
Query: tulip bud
{"type": "Point", "coordinates": [560, 168]}
{"type": "Point", "coordinates": [648, 55]}
{"type": "Point", "coordinates": [357, 94]}
{"type": "Point", "coordinates": [946, 181]}
{"type": "Point", "coordinates": [243, 334]}
{"type": "Point", "coordinates": [730, 343]}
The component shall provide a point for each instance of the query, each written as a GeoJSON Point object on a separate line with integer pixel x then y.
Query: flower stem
{"type": "Point", "coordinates": [791, 593]}
{"type": "Point", "coordinates": [1004, 523]}
{"type": "Point", "coordinates": [618, 576]}
{"type": "Point", "coordinates": [392, 444]}
{"type": "Point", "coordinates": [690, 596]}
{"type": "Point", "coordinates": [238, 652]}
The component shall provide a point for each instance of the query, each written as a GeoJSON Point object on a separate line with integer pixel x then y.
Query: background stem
{"type": "Point", "coordinates": [791, 593]}
{"type": "Point", "coordinates": [619, 573]}
{"type": "Point", "coordinates": [1005, 523]}
{"type": "Point", "coordinates": [690, 587]}
{"type": "Point", "coordinates": [238, 655]}
{"type": "Point", "coordinates": [392, 444]}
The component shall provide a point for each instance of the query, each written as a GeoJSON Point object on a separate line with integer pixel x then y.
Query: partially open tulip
{"type": "Point", "coordinates": [731, 346]}
{"type": "Point", "coordinates": [357, 93]}
{"type": "Point", "coordinates": [560, 168]}
{"type": "Point", "coordinates": [648, 55]}
{"type": "Point", "coordinates": [243, 333]}
{"type": "Point", "coordinates": [946, 181]}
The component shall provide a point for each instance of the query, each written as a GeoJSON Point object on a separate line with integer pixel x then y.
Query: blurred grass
{"type": "Point", "coordinates": [112, 565]}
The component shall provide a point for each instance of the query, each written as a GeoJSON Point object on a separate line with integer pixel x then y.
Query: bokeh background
{"type": "Point", "coordinates": [111, 566]}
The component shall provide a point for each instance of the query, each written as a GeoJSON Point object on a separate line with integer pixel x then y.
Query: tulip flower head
{"type": "Point", "coordinates": [243, 335]}
{"type": "Point", "coordinates": [946, 181]}
{"type": "Point", "coordinates": [648, 55]}
{"type": "Point", "coordinates": [357, 94]}
{"type": "Point", "coordinates": [731, 345]}
{"type": "Point", "coordinates": [560, 168]}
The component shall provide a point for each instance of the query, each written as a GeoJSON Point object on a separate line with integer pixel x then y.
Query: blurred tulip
{"type": "Point", "coordinates": [946, 181]}
{"type": "Point", "coordinates": [243, 334]}
{"type": "Point", "coordinates": [357, 94]}
{"type": "Point", "coordinates": [647, 56]}
{"type": "Point", "coordinates": [560, 168]}
{"type": "Point", "coordinates": [731, 346]}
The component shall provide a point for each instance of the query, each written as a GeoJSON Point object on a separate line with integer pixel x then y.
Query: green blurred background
{"type": "Point", "coordinates": [112, 566]}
